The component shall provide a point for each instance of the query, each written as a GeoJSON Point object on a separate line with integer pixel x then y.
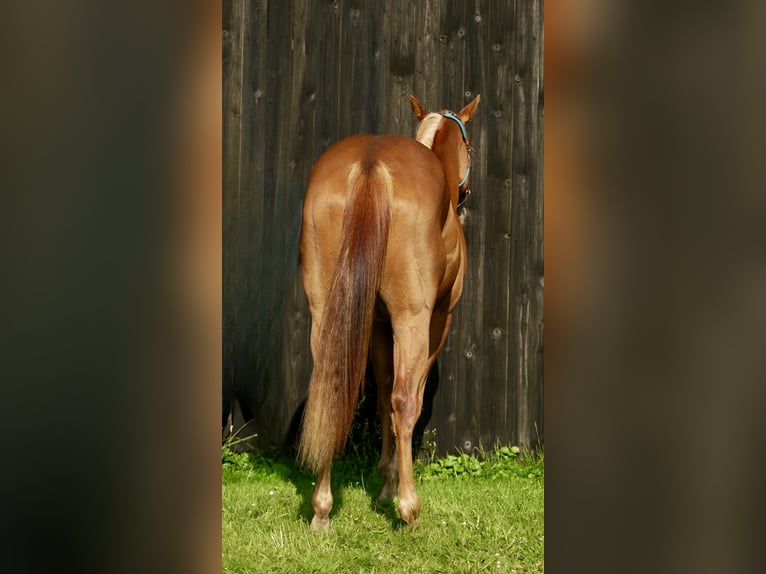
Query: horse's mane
{"type": "Point", "coordinates": [428, 128]}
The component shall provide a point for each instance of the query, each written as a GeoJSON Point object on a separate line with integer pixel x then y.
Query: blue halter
{"type": "Point", "coordinates": [461, 125]}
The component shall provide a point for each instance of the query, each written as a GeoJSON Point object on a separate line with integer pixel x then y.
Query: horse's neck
{"type": "Point", "coordinates": [448, 156]}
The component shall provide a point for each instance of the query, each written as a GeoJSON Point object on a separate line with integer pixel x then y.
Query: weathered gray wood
{"type": "Point", "coordinates": [526, 256]}
{"type": "Point", "coordinates": [497, 396]}
{"type": "Point", "coordinates": [299, 76]}
{"type": "Point", "coordinates": [233, 53]}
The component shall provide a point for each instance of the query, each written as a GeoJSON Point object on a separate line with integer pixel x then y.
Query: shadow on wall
{"type": "Point", "coordinates": [364, 438]}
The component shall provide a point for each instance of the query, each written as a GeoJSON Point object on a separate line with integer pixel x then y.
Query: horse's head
{"type": "Point", "coordinates": [444, 132]}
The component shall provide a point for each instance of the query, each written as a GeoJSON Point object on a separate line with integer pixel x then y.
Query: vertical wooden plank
{"type": "Point", "coordinates": [494, 199]}
{"type": "Point", "coordinates": [401, 65]}
{"type": "Point", "coordinates": [496, 194]}
{"type": "Point", "coordinates": [233, 55]}
{"type": "Point", "coordinates": [449, 386]}
{"type": "Point", "coordinates": [327, 73]}
{"type": "Point", "coordinates": [359, 100]}
{"type": "Point", "coordinates": [249, 364]}
{"type": "Point", "coordinates": [347, 78]}
{"type": "Point", "coordinates": [466, 347]}
{"type": "Point", "coordinates": [293, 127]}
{"type": "Point", "coordinates": [526, 261]}
{"type": "Point", "coordinates": [379, 69]}
{"type": "Point", "coordinates": [382, 12]}
{"type": "Point", "coordinates": [436, 400]}
{"type": "Point", "coordinates": [426, 58]}
{"type": "Point", "coordinates": [537, 377]}
{"type": "Point", "coordinates": [539, 81]}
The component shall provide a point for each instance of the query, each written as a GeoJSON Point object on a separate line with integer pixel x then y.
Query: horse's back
{"type": "Point", "coordinates": [417, 172]}
{"type": "Point", "coordinates": [420, 212]}
{"type": "Point", "coordinates": [420, 195]}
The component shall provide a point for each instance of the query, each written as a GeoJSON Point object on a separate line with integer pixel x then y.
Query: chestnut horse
{"type": "Point", "coordinates": [382, 260]}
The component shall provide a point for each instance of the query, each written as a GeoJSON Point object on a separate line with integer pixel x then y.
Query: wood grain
{"type": "Point", "coordinates": [299, 76]}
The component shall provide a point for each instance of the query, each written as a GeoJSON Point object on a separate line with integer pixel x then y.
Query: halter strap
{"type": "Point", "coordinates": [461, 125]}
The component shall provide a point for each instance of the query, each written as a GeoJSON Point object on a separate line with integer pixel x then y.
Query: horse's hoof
{"type": "Point", "coordinates": [409, 511]}
{"type": "Point", "coordinates": [320, 524]}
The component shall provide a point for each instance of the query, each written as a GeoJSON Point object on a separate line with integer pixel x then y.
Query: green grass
{"type": "Point", "coordinates": [479, 515]}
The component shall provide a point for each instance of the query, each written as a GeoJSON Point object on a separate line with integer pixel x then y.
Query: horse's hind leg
{"type": "Point", "coordinates": [411, 361]}
{"type": "Point", "coordinates": [382, 353]}
{"type": "Point", "coordinates": [322, 500]}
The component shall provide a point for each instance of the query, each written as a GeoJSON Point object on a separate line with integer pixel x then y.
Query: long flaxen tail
{"type": "Point", "coordinates": [344, 337]}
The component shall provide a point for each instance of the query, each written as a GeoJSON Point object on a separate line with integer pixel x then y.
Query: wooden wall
{"type": "Point", "coordinates": [300, 75]}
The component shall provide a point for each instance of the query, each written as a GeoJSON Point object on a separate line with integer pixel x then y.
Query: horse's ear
{"type": "Point", "coordinates": [467, 112]}
{"type": "Point", "coordinates": [417, 108]}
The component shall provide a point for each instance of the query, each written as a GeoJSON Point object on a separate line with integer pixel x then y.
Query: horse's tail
{"type": "Point", "coordinates": [344, 338]}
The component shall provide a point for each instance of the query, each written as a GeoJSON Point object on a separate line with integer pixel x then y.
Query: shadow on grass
{"type": "Point", "coordinates": [346, 472]}
{"type": "Point", "coordinates": [388, 509]}
{"type": "Point", "coordinates": [358, 467]}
